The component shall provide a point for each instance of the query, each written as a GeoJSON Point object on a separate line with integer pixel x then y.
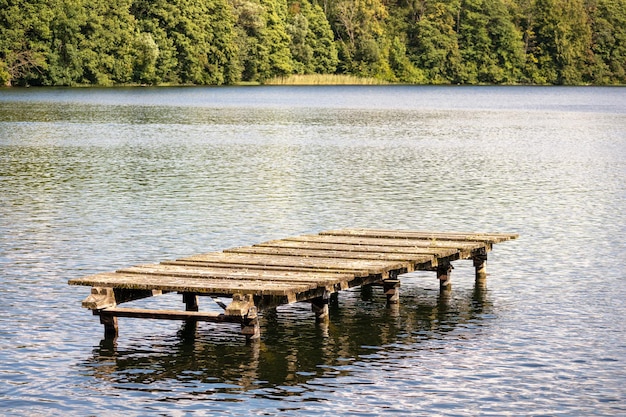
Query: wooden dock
{"type": "Point", "coordinates": [310, 268]}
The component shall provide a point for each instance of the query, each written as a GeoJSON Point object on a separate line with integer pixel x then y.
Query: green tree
{"type": "Point", "coordinates": [403, 68]}
{"type": "Point", "coordinates": [276, 39]}
{"type": "Point", "coordinates": [491, 46]}
{"type": "Point", "coordinates": [301, 50]}
{"type": "Point", "coordinates": [66, 57]}
{"type": "Point", "coordinates": [562, 41]}
{"type": "Point", "coordinates": [363, 44]}
{"type": "Point", "coordinates": [262, 34]}
{"type": "Point", "coordinates": [91, 43]}
{"type": "Point", "coordinates": [24, 41]}
{"type": "Point", "coordinates": [249, 23]}
{"type": "Point", "coordinates": [193, 39]}
{"type": "Point", "coordinates": [108, 45]}
{"type": "Point", "coordinates": [156, 59]}
{"type": "Point", "coordinates": [608, 41]}
{"type": "Point", "coordinates": [146, 55]}
{"type": "Point", "coordinates": [312, 44]}
{"type": "Point", "coordinates": [433, 42]}
{"type": "Point", "coordinates": [70, 42]}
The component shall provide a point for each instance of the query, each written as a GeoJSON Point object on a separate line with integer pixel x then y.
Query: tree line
{"type": "Point", "coordinates": [215, 42]}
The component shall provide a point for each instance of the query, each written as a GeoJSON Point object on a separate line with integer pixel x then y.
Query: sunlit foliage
{"type": "Point", "coordinates": [213, 42]}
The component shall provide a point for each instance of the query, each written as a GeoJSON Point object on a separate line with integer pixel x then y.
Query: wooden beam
{"type": "Point", "coordinates": [103, 297]}
{"type": "Point", "coordinates": [240, 305]}
{"type": "Point", "coordinates": [108, 313]}
{"type": "Point", "coordinates": [100, 297]}
{"type": "Point", "coordinates": [243, 307]}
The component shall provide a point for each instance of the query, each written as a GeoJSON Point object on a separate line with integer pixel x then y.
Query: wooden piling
{"type": "Point", "coordinates": [391, 288]}
{"type": "Point", "coordinates": [319, 306]}
{"type": "Point", "coordinates": [480, 264]}
{"type": "Point", "coordinates": [111, 328]}
{"type": "Point", "coordinates": [191, 301]}
{"type": "Point", "coordinates": [444, 272]}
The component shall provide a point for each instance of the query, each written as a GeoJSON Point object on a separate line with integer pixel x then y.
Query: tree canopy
{"type": "Point", "coordinates": [214, 42]}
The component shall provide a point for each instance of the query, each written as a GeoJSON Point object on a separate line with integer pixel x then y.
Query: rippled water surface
{"type": "Point", "coordinates": [94, 180]}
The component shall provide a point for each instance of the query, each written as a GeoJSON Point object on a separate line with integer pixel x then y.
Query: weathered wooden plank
{"type": "Point", "coordinates": [347, 247]}
{"type": "Point", "coordinates": [196, 285]}
{"type": "Point", "coordinates": [398, 233]}
{"type": "Point", "coordinates": [339, 256]}
{"type": "Point", "coordinates": [268, 268]}
{"type": "Point", "coordinates": [409, 234]}
{"type": "Point", "coordinates": [390, 242]}
{"type": "Point", "coordinates": [185, 271]}
{"type": "Point", "coordinates": [278, 260]}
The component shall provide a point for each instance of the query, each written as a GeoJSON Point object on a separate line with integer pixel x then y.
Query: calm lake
{"type": "Point", "coordinates": [92, 180]}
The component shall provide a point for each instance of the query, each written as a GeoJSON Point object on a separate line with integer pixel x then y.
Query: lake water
{"type": "Point", "coordinates": [92, 180]}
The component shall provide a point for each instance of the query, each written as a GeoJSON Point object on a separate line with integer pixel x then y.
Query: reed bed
{"type": "Point", "coordinates": [324, 79]}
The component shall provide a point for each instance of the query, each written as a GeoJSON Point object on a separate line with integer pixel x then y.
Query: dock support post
{"type": "Point", "coordinates": [391, 287]}
{"type": "Point", "coordinates": [367, 292]}
{"type": "Point", "coordinates": [480, 263]}
{"type": "Point", "coordinates": [250, 325]}
{"type": "Point", "coordinates": [243, 306]}
{"type": "Point", "coordinates": [110, 325]}
{"type": "Point", "coordinates": [444, 270]}
{"type": "Point", "coordinates": [191, 304]}
{"type": "Point", "coordinates": [319, 306]}
{"type": "Point", "coordinates": [191, 301]}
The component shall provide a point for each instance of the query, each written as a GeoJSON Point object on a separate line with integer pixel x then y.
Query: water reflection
{"type": "Point", "coordinates": [293, 349]}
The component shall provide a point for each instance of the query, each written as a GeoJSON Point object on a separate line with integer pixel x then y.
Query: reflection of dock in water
{"type": "Point", "coordinates": [310, 268]}
{"type": "Point", "coordinates": [293, 351]}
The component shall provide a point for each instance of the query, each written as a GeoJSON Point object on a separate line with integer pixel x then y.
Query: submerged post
{"type": "Point", "coordinates": [110, 325]}
{"type": "Point", "coordinates": [480, 263]}
{"type": "Point", "coordinates": [243, 306]}
{"type": "Point", "coordinates": [191, 301]}
{"type": "Point", "coordinates": [250, 325]}
{"type": "Point", "coordinates": [391, 287]}
{"type": "Point", "coordinates": [319, 306]}
{"type": "Point", "coordinates": [444, 270]}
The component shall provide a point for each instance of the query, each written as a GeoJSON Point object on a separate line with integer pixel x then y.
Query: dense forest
{"type": "Point", "coordinates": [151, 42]}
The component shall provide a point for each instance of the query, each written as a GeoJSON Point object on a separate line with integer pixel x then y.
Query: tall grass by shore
{"type": "Point", "coordinates": [324, 79]}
